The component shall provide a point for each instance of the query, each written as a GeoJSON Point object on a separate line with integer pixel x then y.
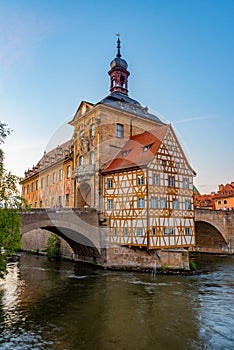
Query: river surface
{"type": "Point", "coordinates": [68, 306]}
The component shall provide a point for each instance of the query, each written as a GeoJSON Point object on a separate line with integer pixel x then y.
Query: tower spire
{"type": "Point", "coordinates": [118, 45]}
{"type": "Point", "coordinates": [119, 72]}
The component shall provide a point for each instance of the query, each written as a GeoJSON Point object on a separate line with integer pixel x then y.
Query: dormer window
{"type": "Point", "coordinates": [125, 152]}
{"type": "Point", "coordinates": [147, 147]}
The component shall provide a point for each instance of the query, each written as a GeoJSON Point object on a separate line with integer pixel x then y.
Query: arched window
{"type": "Point", "coordinates": [81, 161]}
{"type": "Point", "coordinates": [122, 81]}
{"type": "Point", "coordinates": [112, 81]}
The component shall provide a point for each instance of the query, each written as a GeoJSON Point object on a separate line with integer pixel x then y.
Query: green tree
{"type": "Point", "coordinates": [52, 246]}
{"type": "Point", "coordinates": [10, 203]}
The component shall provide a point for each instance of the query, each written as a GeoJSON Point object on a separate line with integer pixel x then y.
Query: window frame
{"type": "Point", "coordinates": [119, 131]}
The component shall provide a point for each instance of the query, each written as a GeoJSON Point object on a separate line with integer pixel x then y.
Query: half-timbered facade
{"type": "Point", "coordinates": [149, 192]}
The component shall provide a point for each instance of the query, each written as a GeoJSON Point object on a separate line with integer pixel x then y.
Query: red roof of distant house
{"type": "Point", "coordinates": [225, 191]}
{"type": "Point", "coordinates": [139, 150]}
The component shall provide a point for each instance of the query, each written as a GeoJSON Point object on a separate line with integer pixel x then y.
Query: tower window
{"type": "Point", "coordinates": [122, 81]}
{"type": "Point", "coordinates": [119, 130]}
{"type": "Point", "coordinates": [112, 81]}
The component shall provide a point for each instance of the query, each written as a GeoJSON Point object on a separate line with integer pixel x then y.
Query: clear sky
{"type": "Point", "coordinates": [54, 54]}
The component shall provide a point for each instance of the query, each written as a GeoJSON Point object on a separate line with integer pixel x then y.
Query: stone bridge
{"type": "Point", "coordinates": [80, 228]}
{"type": "Point", "coordinates": [214, 231]}
{"type": "Point", "coordinates": [86, 234]}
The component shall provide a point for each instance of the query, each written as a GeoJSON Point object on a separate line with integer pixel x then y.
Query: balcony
{"type": "Point", "coordinates": [83, 172]}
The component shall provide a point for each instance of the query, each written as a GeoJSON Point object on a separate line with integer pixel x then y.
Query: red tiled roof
{"type": "Point", "coordinates": [139, 150]}
{"type": "Point", "coordinates": [226, 191]}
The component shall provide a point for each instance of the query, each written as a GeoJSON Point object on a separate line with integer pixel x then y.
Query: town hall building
{"type": "Point", "coordinates": [124, 162]}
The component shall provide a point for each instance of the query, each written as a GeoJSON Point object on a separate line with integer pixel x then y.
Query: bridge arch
{"type": "Point", "coordinates": [209, 239]}
{"type": "Point", "coordinates": [79, 230]}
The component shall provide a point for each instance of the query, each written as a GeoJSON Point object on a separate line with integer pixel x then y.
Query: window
{"type": "Point", "coordinates": [67, 199]}
{"type": "Point", "coordinates": [47, 180]}
{"type": "Point", "coordinates": [164, 162]}
{"type": "Point", "coordinates": [32, 187]}
{"type": "Point", "coordinates": [119, 130]}
{"type": "Point", "coordinates": [40, 204]}
{"type": "Point", "coordinates": [54, 177]}
{"type": "Point", "coordinates": [175, 204]}
{"type": "Point", "coordinates": [115, 231]}
{"type": "Point", "coordinates": [140, 180]}
{"type": "Point", "coordinates": [23, 191]}
{"type": "Point", "coordinates": [68, 171]}
{"type": "Point", "coordinates": [187, 205]}
{"type": "Point", "coordinates": [219, 202]}
{"type": "Point", "coordinates": [166, 231]}
{"type": "Point", "coordinates": [185, 184]}
{"type": "Point", "coordinates": [156, 179]}
{"type": "Point", "coordinates": [60, 201]}
{"type": "Point", "coordinates": [163, 203]}
{"type": "Point", "coordinates": [125, 231]}
{"type": "Point", "coordinates": [60, 174]}
{"type": "Point", "coordinates": [154, 203]}
{"type": "Point", "coordinates": [81, 161]}
{"type": "Point", "coordinates": [187, 231]}
{"type": "Point", "coordinates": [122, 81]}
{"type": "Point", "coordinates": [109, 183]}
{"type": "Point", "coordinates": [27, 189]}
{"type": "Point", "coordinates": [141, 203]}
{"type": "Point", "coordinates": [91, 131]}
{"type": "Point", "coordinates": [36, 185]}
{"type": "Point", "coordinates": [35, 204]}
{"type": "Point", "coordinates": [91, 158]}
{"type": "Point", "coordinates": [112, 81]}
{"type": "Point", "coordinates": [109, 204]}
{"type": "Point", "coordinates": [82, 133]}
{"type": "Point", "coordinates": [171, 181]}
{"type": "Point", "coordinates": [154, 231]}
{"type": "Point", "coordinates": [139, 231]}
{"type": "Point", "coordinates": [224, 202]}
{"type": "Point", "coordinates": [42, 182]}
{"type": "Point", "coordinates": [171, 230]}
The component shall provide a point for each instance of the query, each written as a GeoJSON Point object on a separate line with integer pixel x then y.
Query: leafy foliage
{"type": "Point", "coordinates": [52, 246]}
{"type": "Point", "coordinates": [10, 203]}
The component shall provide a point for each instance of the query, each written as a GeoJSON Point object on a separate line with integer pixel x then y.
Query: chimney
{"type": "Point", "coordinates": [221, 187]}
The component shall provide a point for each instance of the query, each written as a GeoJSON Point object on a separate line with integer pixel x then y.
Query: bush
{"type": "Point", "coordinates": [192, 266]}
{"type": "Point", "coordinates": [52, 246]}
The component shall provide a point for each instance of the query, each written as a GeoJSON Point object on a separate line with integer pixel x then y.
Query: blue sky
{"type": "Point", "coordinates": [54, 54]}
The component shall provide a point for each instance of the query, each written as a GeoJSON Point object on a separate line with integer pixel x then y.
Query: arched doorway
{"type": "Point", "coordinates": [83, 195]}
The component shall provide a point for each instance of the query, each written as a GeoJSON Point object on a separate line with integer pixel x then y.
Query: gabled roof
{"type": "Point", "coordinates": [83, 108]}
{"type": "Point", "coordinates": [139, 150]}
{"type": "Point", "coordinates": [225, 191]}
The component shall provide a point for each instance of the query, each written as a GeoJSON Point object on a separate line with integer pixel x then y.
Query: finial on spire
{"type": "Point", "coordinates": [118, 45]}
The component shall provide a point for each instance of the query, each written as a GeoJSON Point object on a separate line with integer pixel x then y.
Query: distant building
{"type": "Point", "coordinates": [126, 163]}
{"type": "Point", "coordinates": [224, 198]}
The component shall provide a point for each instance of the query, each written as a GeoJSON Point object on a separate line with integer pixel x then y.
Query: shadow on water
{"type": "Point", "coordinates": [63, 305]}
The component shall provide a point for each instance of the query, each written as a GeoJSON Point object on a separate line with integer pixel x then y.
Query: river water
{"type": "Point", "coordinates": [67, 306]}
